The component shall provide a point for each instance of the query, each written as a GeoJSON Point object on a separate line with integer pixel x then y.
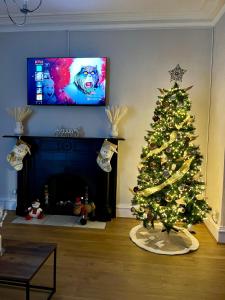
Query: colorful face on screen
{"type": "Point", "coordinates": [67, 81]}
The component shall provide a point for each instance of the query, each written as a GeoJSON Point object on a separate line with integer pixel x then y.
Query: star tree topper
{"type": "Point", "coordinates": [177, 73]}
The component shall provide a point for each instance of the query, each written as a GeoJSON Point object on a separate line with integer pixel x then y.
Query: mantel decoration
{"type": "Point", "coordinates": [169, 197]}
{"type": "Point", "coordinates": [104, 157]}
{"type": "Point", "coordinates": [3, 214]}
{"type": "Point", "coordinates": [16, 156]}
{"type": "Point", "coordinates": [19, 114]}
{"type": "Point", "coordinates": [70, 132]}
{"type": "Point", "coordinates": [115, 114]}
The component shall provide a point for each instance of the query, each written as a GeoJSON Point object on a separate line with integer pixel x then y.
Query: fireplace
{"type": "Point", "coordinates": [63, 168]}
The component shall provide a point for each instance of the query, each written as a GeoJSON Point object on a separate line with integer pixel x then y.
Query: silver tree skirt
{"type": "Point", "coordinates": [154, 240]}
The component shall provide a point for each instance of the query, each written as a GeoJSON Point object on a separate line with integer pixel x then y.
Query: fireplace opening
{"type": "Point", "coordinates": [61, 191]}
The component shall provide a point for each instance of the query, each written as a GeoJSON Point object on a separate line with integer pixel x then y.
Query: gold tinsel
{"type": "Point", "coordinates": [175, 177]}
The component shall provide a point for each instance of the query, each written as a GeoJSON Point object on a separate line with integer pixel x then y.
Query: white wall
{"type": "Point", "coordinates": [215, 169]}
{"type": "Point", "coordinates": [139, 64]}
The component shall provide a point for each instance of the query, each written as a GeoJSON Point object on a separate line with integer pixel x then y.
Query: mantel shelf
{"type": "Point", "coordinates": [63, 137]}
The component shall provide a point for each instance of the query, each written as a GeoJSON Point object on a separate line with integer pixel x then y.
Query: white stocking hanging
{"type": "Point", "coordinates": [15, 157]}
{"type": "Point", "coordinates": [105, 155]}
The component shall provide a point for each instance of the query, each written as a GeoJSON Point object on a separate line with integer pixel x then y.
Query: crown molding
{"type": "Point", "coordinates": [218, 16]}
{"type": "Point", "coordinates": [99, 21]}
{"type": "Point", "coordinates": [111, 21]}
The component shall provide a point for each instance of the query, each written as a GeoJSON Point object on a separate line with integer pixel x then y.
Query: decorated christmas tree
{"type": "Point", "coordinates": [170, 187]}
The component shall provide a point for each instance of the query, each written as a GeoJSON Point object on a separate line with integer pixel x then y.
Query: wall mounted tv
{"type": "Point", "coordinates": [66, 81]}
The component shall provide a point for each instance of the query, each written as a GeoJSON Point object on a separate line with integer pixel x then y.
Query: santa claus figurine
{"type": "Point", "coordinates": [35, 211]}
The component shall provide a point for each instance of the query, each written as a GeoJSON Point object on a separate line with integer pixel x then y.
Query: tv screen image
{"type": "Point", "coordinates": [66, 81]}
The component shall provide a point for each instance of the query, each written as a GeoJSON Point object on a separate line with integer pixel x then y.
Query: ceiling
{"type": "Point", "coordinates": [112, 14]}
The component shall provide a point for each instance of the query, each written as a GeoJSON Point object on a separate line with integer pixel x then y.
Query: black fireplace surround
{"type": "Point", "coordinates": [66, 167]}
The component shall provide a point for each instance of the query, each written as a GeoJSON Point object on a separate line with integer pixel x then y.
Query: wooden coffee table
{"type": "Point", "coordinates": [22, 260]}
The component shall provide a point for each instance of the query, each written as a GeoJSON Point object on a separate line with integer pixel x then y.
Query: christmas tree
{"type": "Point", "coordinates": [170, 187]}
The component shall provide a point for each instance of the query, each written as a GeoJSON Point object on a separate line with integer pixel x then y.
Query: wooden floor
{"type": "Point", "coordinates": [106, 265]}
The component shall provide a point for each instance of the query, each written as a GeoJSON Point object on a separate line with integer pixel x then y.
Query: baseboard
{"type": "Point", "coordinates": [123, 211]}
{"type": "Point", "coordinates": [221, 235]}
{"type": "Point", "coordinates": [9, 204]}
{"type": "Point", "coordinates": [217, 231]}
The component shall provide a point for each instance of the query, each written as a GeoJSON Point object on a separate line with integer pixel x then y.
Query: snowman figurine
{"type": "Point", "coordinates": [35, 211]}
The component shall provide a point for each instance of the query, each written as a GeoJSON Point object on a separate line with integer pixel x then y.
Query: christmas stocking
{"type": "Point", "coordinates": [15, 157]}
{"type": "Point", "coordinates": [105, 155]}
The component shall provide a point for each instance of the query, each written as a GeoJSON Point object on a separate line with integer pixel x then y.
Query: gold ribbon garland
{"type": "Point", "coordinates": [173, 137]}
{"type": "Point", "coordinates": [182, 123]}
{"type": "Point", "coordinates": [175, 177]}
{"type": "Point", "coordinates": [180, 200]}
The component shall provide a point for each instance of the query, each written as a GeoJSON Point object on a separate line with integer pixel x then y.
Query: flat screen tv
{"type": "Point", "coordinates": [66, 81]}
